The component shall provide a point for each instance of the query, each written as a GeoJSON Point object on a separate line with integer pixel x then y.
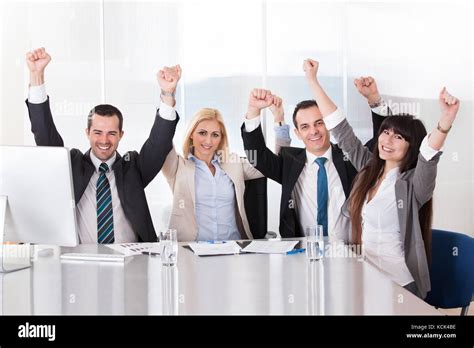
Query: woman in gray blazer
{"type": "Point", "coordinates": [390, 202]}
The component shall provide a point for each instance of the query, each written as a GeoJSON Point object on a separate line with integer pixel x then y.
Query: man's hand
{"type": "Point", "coordinates": [259, 99]}
{"type": "Point", "coordinates": [449, 106]}
{"type": "Point", "coordinates": [37, 60]}
{"type": "Point", "coordinates": [368, 88]}
{"type": "Point", "coordinates": [168, 79]}
{"type": "Point", "coordinates": [310, 68]}
{"type": "Point", "coordinates": [277, 109]}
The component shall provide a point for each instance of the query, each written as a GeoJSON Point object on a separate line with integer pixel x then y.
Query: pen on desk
{"type": "Point", "coordinates": [150, 253]}
{"type": "Point", "coordinates": [212, 241]}
{"type": "Point", "coordinates": [295, 251]}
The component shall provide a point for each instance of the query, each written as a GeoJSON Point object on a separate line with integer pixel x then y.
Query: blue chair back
{"type": "Point", "coordinates": [452, 270]}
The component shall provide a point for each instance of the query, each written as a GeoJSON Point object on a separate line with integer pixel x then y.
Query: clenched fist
{"type": "Point", "coordinates": [168, 78]}
{"type": "Point", "coordinates": [37, 60]}
{"type": "Point", "coordinates": [368, 88]}
{"type": "Point", "coordinates": [310, 68]}
{"type": "Point", "coordinates": [259, 99]}
{"type": "Point", "coordinates": [277, 109]}
{"type": "Point", "coordinates": [449, 106]}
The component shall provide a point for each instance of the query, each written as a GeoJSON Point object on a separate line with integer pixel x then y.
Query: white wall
{"type": "Point", "coordinates": [109, 51]}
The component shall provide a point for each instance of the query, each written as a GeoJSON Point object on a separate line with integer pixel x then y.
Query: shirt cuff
{"type": "Point", "coordinates": [282, 132]}
{"type": "Point", "coordinates": [333, 119]}
{"type": "Point", "coordinates": [382, 109]}
{"type": "Point", "coordinates": [167, 112]}
{"type": "Point", "coordinates": [426, 150]}
{"type": "Point", "coordinates": [37, 94]}
{"type": "Point", "coordinates": [252, 124]}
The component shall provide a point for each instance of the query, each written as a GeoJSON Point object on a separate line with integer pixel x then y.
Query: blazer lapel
{"type": "Point", "coordinates": [117, 168]}
{"type": "Point", "coordinates": [339, 163]}
{"type": "Point", "coordinates": [297, 166]}
{"type": "Point", "coordinates": [228, 170]}
{"type": "Point", "coordinates": [85, 176]}
{"type": "Point", "coordinates": [401, 194]}
{"type": "Point", "coordinates": [190, 171]}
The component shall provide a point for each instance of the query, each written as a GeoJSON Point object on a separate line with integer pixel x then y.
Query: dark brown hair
{"type": "Point", "coordinates": [413, 131]}
{"type": "Point", "coordinates": [305, 104]}
{"type": "Point", "coordinates": [105, 110]}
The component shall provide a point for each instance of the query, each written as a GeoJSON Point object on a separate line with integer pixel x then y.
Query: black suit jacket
{"type": "Point", "coordinates": [286, 168]}
{"type": "Point", "coordinates": [133, 172]}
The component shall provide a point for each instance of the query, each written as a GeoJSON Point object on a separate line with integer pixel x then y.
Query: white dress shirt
{"type": "Point", "coordinates": [86, 213]}
{"type": "Point", "coordinates": [381, 231]}
{"type": "Point", "coordinates": [305, 191]}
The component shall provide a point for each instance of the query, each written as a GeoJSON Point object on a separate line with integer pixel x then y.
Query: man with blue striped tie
{"type": "Point", "coordinates": [108, 188]}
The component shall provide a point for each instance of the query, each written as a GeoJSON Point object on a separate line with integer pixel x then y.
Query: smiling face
{"type": "Point", "coordinates": [104, 136]}
{"type": "Point", "coordinates": [312, 130]}
{"type": "Point", "coordinates": [392, 146]}
{"type": "Point", "coordinates": [206, 139]}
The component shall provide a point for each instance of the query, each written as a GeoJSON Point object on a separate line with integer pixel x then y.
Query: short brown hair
{"type": "Point", "coordinates": [305, 104]}
{"type": "Point", "coordinates": [105, 110]}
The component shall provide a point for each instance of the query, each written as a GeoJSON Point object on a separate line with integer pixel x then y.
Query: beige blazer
{"type": "Point", "coordinates": [179, 172]}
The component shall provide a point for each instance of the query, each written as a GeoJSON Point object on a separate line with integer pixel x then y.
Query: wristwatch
{"type": "Point", "coordinates": [376, 104]}
{"type": "Point", "coordinates": [167, 94]}
{"type": "Point", "coordinates": [445, 131]}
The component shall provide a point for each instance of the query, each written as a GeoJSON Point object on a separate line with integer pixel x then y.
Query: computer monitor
{"type": "Point", "coordinates": [37, 196]}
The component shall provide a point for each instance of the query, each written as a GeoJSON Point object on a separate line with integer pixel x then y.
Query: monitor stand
{"type": "Point", "coordinates": [13, 257]}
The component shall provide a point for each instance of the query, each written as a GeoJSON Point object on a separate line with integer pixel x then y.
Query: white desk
{"type": "Point", "coordinates": [237, 284]}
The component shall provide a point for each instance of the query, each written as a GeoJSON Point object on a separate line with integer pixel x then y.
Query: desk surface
{"type": "Point", "coordinates": [234, 284]}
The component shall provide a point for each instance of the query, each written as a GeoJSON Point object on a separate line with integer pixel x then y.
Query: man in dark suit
{"type": "Point", "coordinates": [111, 205]}
{"type": "Point", "coordinates": [317, 179]}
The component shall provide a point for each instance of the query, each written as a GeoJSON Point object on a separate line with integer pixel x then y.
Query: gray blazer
{"type": "Point", "coordinates": [413, 189]}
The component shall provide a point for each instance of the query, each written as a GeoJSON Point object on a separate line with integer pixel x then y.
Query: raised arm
{"type": "Point", "coordinates": [335, 121]}
{"type": "Point", "coordinates": [282, 130]}
{"type": "Point", "coordinates": [258, 154]}
{"type": "Point", "coordinates": [160, 142]}
{"type": "Point", "coordinates": [449, 106]}
{"type": "Point", "coordinates": [367, 87]}
{"type": "Point", "coordinates": [170, 167]}
{"type": "Point", "coordinates": [39, 111]}
{"type": "Point", "coordinates": [426, 168]}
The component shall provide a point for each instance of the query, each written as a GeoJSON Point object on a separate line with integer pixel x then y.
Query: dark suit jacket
{"type": "Point", "coordinates": [133, 172]}
{"type": "Point", "coordinates": [286, 168]}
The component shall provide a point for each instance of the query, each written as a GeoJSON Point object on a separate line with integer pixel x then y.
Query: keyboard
{"type": "Point", "coordinates": [93, 257]}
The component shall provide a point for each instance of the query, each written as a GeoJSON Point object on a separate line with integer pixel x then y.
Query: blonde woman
{"type": "Point", "coordinates": [208, 182]}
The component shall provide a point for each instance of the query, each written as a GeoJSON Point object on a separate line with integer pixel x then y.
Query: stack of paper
{"type": "Point", "coordinates": [222, 248]}
{"type": "Point", "coordinates": [270, 247]}
{"type": "Point", "coordinates": [131, 249]}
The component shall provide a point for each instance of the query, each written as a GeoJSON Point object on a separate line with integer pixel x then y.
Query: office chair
{"type": "Point", "coordinates": [452, 270]}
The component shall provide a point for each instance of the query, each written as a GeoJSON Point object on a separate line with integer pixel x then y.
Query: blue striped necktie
{"type": "Point", "coordinates": [105, 217]}
{"type": "Point", "coordinates": [322, 195]}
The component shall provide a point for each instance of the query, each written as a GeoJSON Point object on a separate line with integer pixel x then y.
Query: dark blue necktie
{"type": "Point", "coordinates": [322, 195]}
{"type": "Point", "coordinates": [105, 217]}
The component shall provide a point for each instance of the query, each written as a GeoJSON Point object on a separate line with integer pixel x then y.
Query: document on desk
{"type": "Point", "coordinates": [131, 249]}
{"type": "Point", "coordinates": [270, 247]}
{"type": "Point", "coordinates": [223, 248]}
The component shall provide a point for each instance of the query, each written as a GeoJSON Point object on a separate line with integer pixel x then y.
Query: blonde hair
{"type": "Point", "coordinates": [207, 114]}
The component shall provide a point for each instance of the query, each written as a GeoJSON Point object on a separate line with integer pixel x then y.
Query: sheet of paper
{"type": "Point", "coordinates": [270, 247]}
{"type": "Point", "coordinates": [130, 249]}
{"type": "Point", "coordinates": [223, 248]}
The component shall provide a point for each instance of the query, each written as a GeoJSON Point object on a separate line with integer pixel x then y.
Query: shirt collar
{"type": "Point", "coordinates": [215, 159]}
{"type": "Point", "coordinates": [310, 158]}
{"type": "Point", "coordinates": [97, 162]}
{"type": "Point", "coordinates": [392, 173]}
